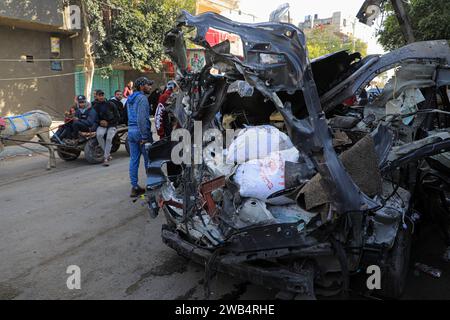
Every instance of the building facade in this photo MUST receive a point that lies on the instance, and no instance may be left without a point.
(340, 23)
(37, 50)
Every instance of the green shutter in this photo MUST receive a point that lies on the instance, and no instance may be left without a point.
(114, 82)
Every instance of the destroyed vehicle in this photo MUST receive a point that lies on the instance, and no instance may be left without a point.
(346, 184)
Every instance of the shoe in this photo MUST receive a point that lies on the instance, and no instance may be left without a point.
(106, 163)
(136, 192)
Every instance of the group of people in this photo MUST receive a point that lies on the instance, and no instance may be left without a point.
(101, 116)
(132, 107)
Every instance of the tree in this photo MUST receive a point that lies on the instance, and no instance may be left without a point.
(429, 20)
(126, 32)
(323, 40)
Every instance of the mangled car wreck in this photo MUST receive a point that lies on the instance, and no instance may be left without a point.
(345, 185)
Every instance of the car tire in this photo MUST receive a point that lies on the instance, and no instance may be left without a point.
(393, 279)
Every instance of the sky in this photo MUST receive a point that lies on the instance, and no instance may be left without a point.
(301, 8)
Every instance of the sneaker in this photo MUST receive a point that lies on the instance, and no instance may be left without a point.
(136, 192)
(106, 163)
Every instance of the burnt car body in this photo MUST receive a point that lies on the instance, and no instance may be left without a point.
(360, 196)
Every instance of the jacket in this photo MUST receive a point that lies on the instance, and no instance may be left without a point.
(138, 111)
(162, 120)
(107, 111)
(122, 111)
(87, 116)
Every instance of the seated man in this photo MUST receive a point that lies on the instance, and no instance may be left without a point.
(109, 118)
(84, 120)
(65, 131)
(117, 101)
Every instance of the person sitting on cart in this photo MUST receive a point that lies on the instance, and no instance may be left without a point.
(117, 101)
(85, 120)
(108, 119)
(65, 130)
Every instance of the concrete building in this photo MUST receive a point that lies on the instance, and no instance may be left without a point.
(217, 6)
(41, 60)
(346, 25)
(32, 33)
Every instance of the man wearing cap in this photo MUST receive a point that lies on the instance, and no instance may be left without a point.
(139, 130)
(84, 120)
(108, 119)
(65, 130)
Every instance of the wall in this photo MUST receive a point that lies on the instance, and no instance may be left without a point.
(49, 12)
(54, 94)
(159, 78)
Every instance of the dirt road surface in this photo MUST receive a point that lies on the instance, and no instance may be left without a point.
(81, 214)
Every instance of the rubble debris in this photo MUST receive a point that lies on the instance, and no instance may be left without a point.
(433, 272)
(446, 255)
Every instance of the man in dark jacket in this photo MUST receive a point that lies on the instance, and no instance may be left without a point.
(117, 101)
(108, 119)
(139, 130)
(85, 120)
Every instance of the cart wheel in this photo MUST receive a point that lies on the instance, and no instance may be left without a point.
(68, 154)
(115, 144)
(127, 146)
(93, 152)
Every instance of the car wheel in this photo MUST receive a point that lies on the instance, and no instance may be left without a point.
(394, 276)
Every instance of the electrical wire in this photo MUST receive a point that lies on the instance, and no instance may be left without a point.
(40, 60)
(55, 75)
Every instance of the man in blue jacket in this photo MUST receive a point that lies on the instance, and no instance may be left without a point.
(85, 120)
(139, 130)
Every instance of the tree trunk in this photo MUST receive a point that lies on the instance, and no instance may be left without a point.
(89, 64)
(403, 20)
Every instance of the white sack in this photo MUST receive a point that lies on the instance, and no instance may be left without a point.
(257, 143)
(261, 178)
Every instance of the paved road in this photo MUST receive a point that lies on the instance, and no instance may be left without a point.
(80, 214)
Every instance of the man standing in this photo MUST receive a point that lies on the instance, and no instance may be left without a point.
(163, 123)
(109, 118)
(139, 130)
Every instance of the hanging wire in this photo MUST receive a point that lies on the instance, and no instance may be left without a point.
(40, 60)
(55, 75)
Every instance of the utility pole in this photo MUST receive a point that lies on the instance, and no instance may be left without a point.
(403, 20)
